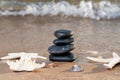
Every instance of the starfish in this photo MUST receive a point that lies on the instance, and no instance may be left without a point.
(21, 55)
(24, 65)
(108, 63)
(25, 62)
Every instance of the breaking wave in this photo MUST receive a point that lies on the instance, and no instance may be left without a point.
(86, 9)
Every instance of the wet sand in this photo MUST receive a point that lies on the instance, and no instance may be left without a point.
(35, 34)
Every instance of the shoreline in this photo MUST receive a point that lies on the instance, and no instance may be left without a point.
(35, 34)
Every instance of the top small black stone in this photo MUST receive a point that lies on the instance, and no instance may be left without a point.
(61, 34)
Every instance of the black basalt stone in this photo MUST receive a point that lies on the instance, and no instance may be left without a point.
(60, 49)
(63, 41)
(65, 58)
(62, 33)
(65, 54)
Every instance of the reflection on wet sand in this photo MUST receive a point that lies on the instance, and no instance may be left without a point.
(36, 34)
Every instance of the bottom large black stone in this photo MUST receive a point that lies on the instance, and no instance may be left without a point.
(62, 58)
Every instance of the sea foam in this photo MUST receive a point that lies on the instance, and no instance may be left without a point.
(86, 9)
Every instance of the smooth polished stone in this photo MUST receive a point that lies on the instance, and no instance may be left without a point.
(54, 49)
(62, 33)
(63, 41)
(65, 58)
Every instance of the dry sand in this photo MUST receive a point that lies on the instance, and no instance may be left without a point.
(35, 34)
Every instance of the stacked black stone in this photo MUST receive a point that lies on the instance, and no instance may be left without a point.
(60, 51)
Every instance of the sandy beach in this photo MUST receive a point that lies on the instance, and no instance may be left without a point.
(35, 34)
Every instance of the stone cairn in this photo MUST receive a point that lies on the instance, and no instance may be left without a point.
(60, 51)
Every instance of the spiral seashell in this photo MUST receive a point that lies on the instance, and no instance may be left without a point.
(76, 68)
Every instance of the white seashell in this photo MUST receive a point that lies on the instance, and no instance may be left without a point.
(76, 68)
(93, 53)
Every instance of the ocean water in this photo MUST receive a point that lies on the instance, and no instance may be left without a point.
(94, 9)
